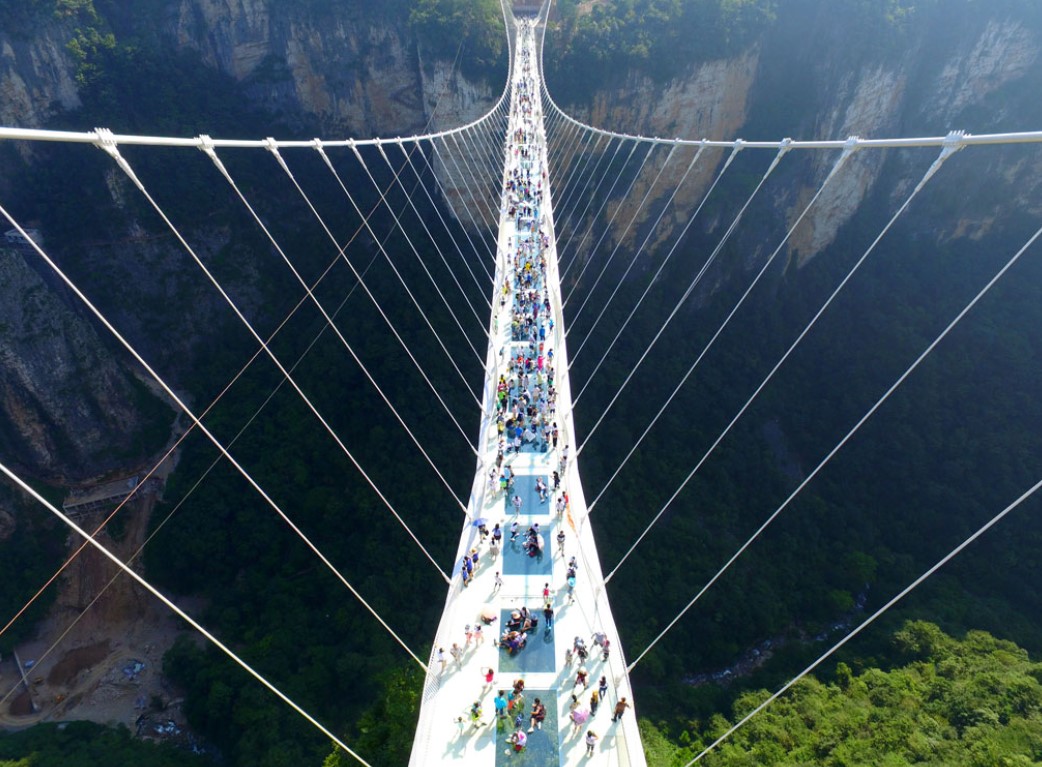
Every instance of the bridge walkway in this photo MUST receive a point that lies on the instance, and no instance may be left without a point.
(524, 404)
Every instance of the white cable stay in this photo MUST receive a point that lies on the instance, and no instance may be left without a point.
(930, 172)
(651, 231)
(569, 220)
(170, 514)
(607, 227)
(763, 270)
(320, 148)
(570, 224)
(191, 427)
(448, 230)
(870, 619)
(466, 231)
(125, 166)
(441, 253)
(485, 206)
(480, 228)
(574, 186)
(690, 289)
(468, 209)
(202, 427)
(854, 429)
(179, 612)
(390, 262)
(570, 183)
(479, 194)
(212, 154)
(611, 256)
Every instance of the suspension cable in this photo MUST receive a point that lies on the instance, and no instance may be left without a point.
(202, 427)
(945, 153)
(481, 227)
(607, 227)
(212, 154)
(763, 270)
(687, 293)
(572, 220)
(571, 223)
(412, 247)
(868, 414)
(651, 230)
(466, 230)
(441, 254)
(181, 613)
(191, 427)
(482, 289)
(600, 209)
(319, 146)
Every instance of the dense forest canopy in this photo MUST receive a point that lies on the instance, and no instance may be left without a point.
(946, 701)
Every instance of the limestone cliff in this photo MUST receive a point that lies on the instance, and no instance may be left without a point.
(814, 76)
(37, 76)
(356, 76)
(72, 410)
(307, 66)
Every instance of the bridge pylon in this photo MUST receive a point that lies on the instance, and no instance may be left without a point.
(526, 493)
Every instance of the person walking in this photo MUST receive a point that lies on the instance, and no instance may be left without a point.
(498, 582)
(620, 709)
(442, 660)
(548, 615)
(591, 741)
(560, 541)
(595, 701)
(457, 654)
(479, 636)
(602, 687)
(517, 503)
(582, 678)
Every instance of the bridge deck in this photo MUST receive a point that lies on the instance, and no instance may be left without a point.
(446, 732)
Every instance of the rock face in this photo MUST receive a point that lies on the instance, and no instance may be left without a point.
(807, 76)
(37, 76)
(71, 409)
(357, 77)
(812, 77)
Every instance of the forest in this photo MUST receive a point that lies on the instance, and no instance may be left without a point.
(959, 443)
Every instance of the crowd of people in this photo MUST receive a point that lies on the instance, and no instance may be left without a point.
(525, 413)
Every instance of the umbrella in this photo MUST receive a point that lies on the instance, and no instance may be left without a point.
(488, 613)
(580, 715)
(479, 522)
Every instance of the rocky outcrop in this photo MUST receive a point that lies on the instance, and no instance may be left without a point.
(71, 410)
(354, 75)
(37, 76)
(841, 85)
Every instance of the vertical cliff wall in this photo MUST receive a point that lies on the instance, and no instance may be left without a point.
(817, 71)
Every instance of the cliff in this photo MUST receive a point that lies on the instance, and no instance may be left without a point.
(816, 74)
(70, 410)
(305, 68)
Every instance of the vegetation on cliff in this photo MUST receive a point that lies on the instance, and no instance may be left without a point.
(957, 703)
